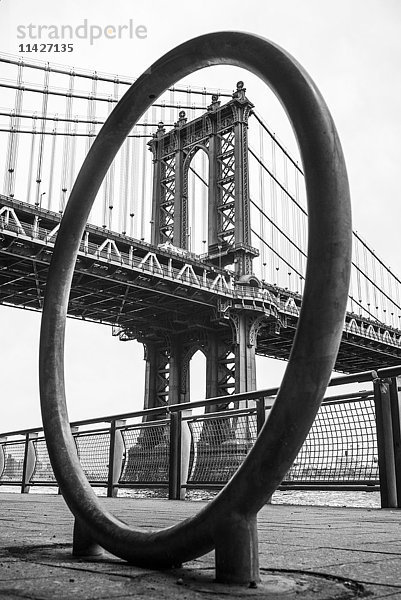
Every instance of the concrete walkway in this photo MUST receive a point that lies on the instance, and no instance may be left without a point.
(305, 552)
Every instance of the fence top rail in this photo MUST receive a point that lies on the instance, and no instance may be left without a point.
(384, 373)
(224, 414)
(353, 397)
(364, 376)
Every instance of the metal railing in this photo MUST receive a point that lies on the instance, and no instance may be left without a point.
(353, 444)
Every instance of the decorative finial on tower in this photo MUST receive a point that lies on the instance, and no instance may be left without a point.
(181, 120)
(239, 94)
(160, 129)
(159, 133)
(215, 103)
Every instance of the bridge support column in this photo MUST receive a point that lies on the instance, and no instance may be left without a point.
(220, 368)
(231, 364)
(179, 373)
(167, 370)
(157, 374)
(245, 364)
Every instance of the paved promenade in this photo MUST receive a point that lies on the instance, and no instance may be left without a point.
(305, 552)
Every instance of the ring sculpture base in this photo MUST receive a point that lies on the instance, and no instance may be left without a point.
(228, 523)
(236, 551)
(83, 545)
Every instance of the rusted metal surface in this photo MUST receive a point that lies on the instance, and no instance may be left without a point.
(319, 328)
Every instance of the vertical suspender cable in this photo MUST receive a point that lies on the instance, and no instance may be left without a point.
(156, 117)
(134, 186)
(9, 165)
(351, 295)
(123, 199)
(91, 131)
(365, 260)
(262, 202)
(358, 273)
(45, 100)
(299, 222)
(392, 281)
(192, 211)
(191, 199)
(390, 293)
(67, 143)
(144, 176)
(71, 165)
(273, 194)
(286, 221)
(204, 187)
(107, 179)
(13, 139)
(91, 113)
(112, 168)
(15, 145)
(296, 224)
(31, 158)
(384, 301)
(52, 161)
(374, 279)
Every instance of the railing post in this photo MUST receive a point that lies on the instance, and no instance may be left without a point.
(29, 462)
(185, 451)
(263, 406)
(261, 418)
(388, 441)
(174, 475)
(2, 457)
(116, 454)
(395, 402)
(260, 414)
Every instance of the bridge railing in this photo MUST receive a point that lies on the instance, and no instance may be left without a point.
(353, 444)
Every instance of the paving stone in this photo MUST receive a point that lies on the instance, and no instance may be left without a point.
(349, 544)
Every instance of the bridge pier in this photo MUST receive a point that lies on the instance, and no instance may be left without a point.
(230, 361)
(157, 370)
(245, 366)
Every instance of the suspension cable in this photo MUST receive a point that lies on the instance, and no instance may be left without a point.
(278, 228)
(276, 141)
(273, 176)
(277, 254)
(108, 78)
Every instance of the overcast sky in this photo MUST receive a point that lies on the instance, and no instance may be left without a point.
(352, 49)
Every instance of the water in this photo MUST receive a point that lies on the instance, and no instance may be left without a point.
(344, 499)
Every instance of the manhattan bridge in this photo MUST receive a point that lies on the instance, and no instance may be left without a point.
(197, 240)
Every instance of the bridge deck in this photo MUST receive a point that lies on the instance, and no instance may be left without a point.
(363, 545)
(146, 292)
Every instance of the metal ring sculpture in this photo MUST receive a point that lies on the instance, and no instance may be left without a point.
(228, 523)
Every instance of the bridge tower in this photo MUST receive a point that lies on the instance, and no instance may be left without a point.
(222, 133)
